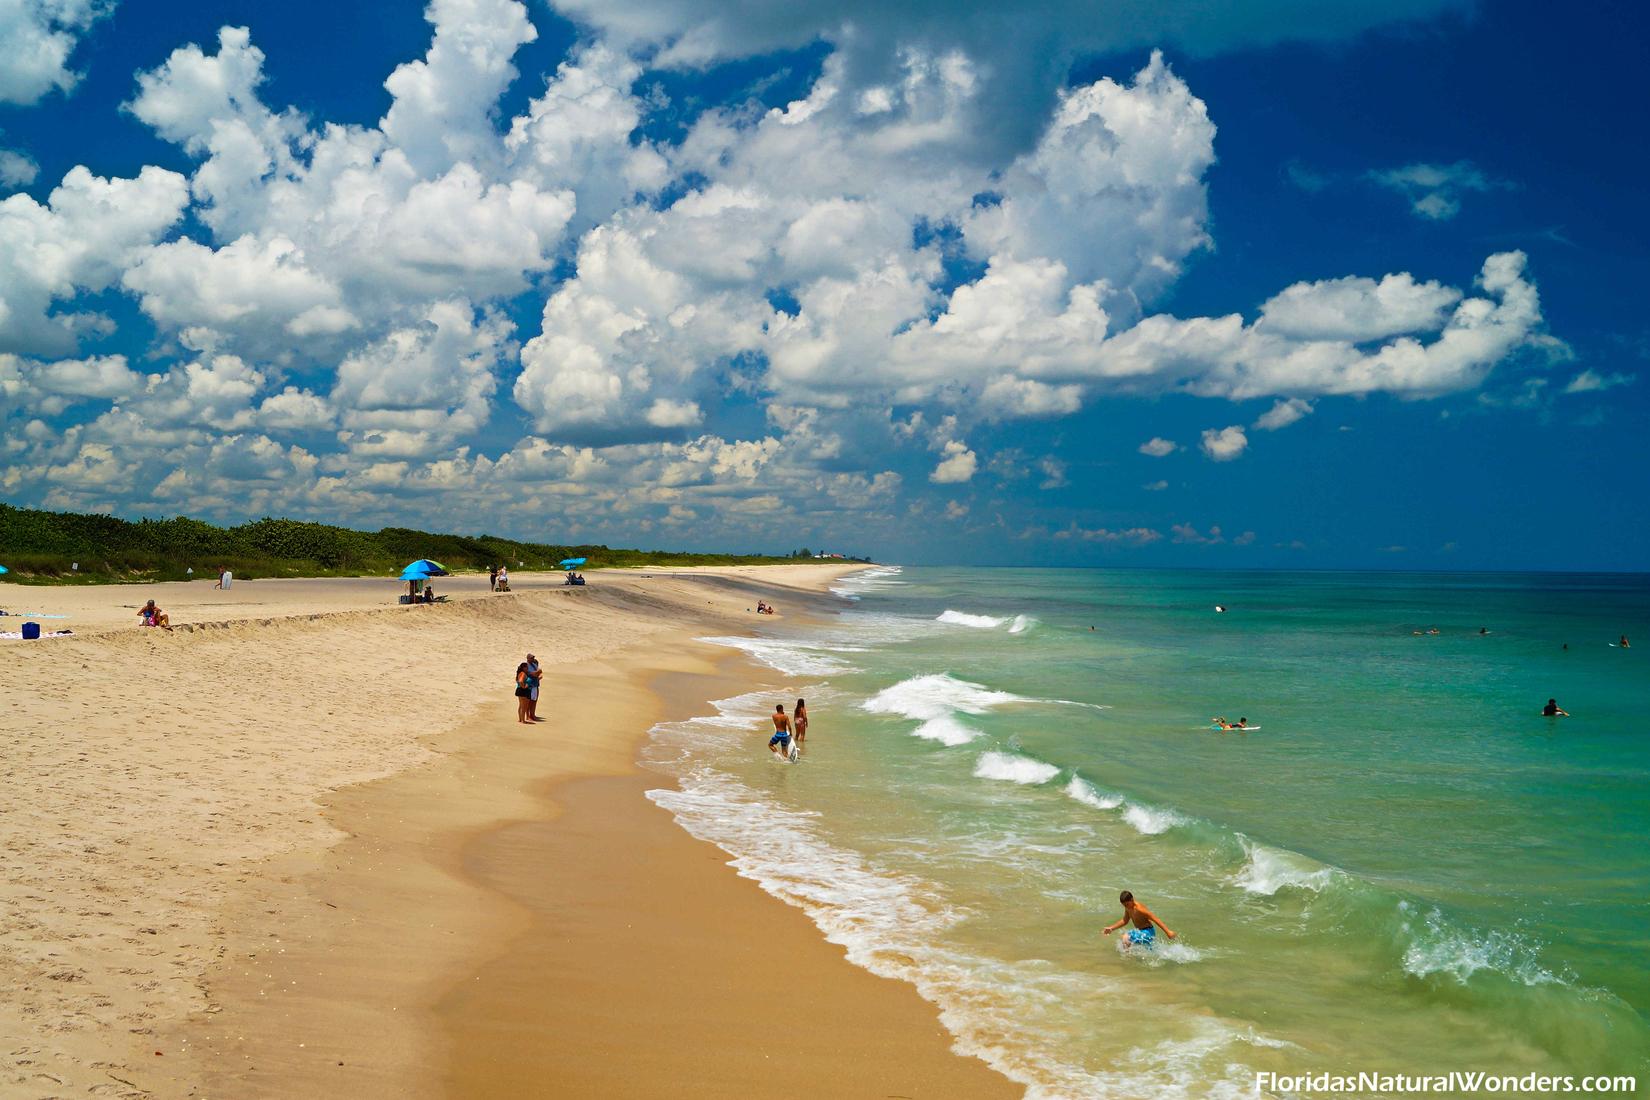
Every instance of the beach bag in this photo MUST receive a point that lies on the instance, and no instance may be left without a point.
(31, 630)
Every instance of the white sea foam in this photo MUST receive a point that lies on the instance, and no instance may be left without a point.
(855, 585)
(947, 730)
(963, 618)
(1437, 947)
(1090, 795)
(1269, 870)
(1013, 768)
(1151, 821)
(895, 926)
(1021, 624)
(793, 658)
(934, 702)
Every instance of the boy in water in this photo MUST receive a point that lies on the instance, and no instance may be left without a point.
(1146, 924)
(780, 743)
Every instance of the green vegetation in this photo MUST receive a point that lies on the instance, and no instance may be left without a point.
(42, 547)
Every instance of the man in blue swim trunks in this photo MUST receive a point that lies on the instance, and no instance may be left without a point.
(780, 743)
(1146, 924)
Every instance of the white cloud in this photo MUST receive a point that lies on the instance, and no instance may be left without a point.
(1434, 190)
(1590, 381)
(1189, 534)
(1054, 473)
(1131, 536)
(17, 169)
(1224, 444)
(1158, 447)
(1358, 310)
(440, 113)
(38, 37)
(957, 466)
(1283, 413)
(85, 234)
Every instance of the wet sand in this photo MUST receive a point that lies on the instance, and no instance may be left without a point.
(298, 856)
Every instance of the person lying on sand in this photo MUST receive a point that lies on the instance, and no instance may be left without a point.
(150, 615)
(1146, 924)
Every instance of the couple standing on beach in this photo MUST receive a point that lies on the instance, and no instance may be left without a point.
(528, 675)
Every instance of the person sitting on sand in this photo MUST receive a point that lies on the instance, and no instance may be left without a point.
(780, 743)
(1146, 924)
(150, 615)
(1553, 710)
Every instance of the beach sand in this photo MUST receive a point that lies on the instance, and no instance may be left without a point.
(310, 852)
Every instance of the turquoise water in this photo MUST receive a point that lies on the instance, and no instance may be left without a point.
(1405, 869)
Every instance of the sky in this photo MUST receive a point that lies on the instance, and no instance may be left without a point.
(1259, 284)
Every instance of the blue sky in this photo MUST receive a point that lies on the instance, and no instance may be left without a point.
(1259, 284)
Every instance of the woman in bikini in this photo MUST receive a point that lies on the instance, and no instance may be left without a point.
(799, 722)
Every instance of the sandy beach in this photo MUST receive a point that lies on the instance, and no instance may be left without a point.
(303, 848)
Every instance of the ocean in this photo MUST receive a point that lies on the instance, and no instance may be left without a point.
(1404, 869)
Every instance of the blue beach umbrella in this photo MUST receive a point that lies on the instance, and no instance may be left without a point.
(422, 569)
(3, 569)
(568, 563)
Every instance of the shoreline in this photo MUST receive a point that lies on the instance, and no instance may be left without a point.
(373, 903)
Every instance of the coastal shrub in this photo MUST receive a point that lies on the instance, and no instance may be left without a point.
(41, 547)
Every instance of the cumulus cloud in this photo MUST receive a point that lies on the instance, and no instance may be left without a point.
(1224, 444)
(759, 314)
(1189, 534)
(1132, 536)
(1283, 413)
(87, 232)
(956, 466)
(1434, 190)
(39, 36)
(17, 169)
(1158, 447)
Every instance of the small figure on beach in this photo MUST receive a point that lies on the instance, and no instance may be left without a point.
(536, 677)
(429, 594)
(1553, 710)
(763, 607)
(524, 692)
(780, 743)
(220, 577)
(150, 615)
(1146, 924)
(799, 720)
(492, 578)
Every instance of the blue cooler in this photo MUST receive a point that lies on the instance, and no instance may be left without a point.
(31, 630)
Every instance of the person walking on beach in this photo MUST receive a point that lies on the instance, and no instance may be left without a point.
(537, 674)
(220, 578)
(780, 743)
(799, 721)
(1146, 924)
(492, 578)
(524, 692)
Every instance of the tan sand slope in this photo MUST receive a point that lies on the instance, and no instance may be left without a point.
(165, 803)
